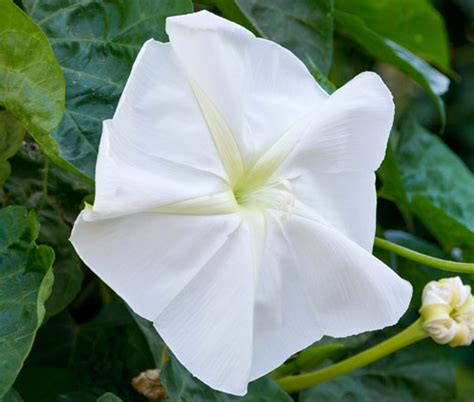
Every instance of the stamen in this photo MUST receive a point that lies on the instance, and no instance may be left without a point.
(277, 196)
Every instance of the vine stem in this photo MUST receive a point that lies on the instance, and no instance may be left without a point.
(445, 265)
(408, 336)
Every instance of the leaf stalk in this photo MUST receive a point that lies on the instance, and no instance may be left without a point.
(445, 265)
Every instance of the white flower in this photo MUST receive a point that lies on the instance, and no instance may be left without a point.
(235, 202)
(448, 312)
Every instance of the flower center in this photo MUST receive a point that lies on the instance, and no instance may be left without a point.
(277, 196)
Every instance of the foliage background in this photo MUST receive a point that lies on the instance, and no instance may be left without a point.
(63, 64)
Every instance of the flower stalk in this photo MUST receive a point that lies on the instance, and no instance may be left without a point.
(447, 316)
(307, 360)
(410, 335)
(439, 263)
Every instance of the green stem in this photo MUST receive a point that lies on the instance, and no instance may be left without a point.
(308, 359)
(412, 334)
(445, 265)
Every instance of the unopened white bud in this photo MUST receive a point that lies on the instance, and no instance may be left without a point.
(448, 312)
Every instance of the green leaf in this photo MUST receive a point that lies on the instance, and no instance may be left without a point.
(96, 43)
(413, 24)
(419, 373)
(231, 11)
(155, 343)
(54, 384)
(82, 361)
(460, 106)
(465, 385)
(31, 83)
(432, 81)
(56, 197)
(439, 188)
(322, 80)
(32, 86)
(434, 185)
(11, 396)
(11, 136)
(303, 26)
(109, 397)
(418, 275)
(393, 188)
(26, 280)
(181, 386)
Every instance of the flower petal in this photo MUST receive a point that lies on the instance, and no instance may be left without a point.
(159, 114)
(313, 282)
(148, 258)
(351, 291)
(208, 326)
(129, 179)
(346, 200)
(157, 149)
(243, 77)
(284, 321)
(348, 133)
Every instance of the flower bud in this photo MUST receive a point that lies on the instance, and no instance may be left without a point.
(448, 312)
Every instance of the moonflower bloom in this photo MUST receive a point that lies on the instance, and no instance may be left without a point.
(448, 312)
(235, 202)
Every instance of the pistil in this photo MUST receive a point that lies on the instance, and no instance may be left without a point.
(276, 196)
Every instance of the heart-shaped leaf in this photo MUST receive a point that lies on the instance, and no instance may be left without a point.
(26, 280)
(96, 43)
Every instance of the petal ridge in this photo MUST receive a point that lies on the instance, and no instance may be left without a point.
(283, 322)
(139, 257)
(130, 181)
(359, 112)
(377, 289)
(224, 140)
(220, 350)
(242, 76)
